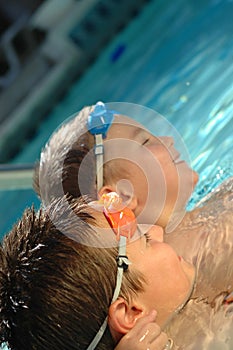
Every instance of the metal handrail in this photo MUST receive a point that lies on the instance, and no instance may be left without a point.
(6, 43)
(16, 176)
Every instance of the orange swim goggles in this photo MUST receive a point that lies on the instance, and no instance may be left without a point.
(120, 217)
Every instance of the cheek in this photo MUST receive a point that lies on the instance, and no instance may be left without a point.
(172, 183)
(162, 261)
(172, 177)
(153, 259)
(138, 179)
(166, 280)
(167, 171)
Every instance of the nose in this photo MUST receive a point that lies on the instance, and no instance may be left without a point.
(156, 233)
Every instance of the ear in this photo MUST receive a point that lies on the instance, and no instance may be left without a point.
(122, 316)
(106, 189)
(124, 192)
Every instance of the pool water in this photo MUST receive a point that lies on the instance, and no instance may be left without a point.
(174, 57)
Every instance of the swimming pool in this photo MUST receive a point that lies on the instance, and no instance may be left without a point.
(175, 58)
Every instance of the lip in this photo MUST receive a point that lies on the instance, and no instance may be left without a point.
(176, 157)
(178, 161)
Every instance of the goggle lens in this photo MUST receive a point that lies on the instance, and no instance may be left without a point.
(120, 217)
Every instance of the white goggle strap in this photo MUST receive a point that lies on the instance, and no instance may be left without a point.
(99, 155)
(122, 265)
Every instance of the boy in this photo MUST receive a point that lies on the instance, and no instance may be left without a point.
(56, 292)
(99, 151)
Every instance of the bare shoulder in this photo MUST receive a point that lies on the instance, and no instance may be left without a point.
(209, 223)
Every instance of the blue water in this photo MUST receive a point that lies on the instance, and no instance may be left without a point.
(175, 57)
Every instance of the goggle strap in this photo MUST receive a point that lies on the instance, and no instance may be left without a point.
(122, 261)
(99, 156)
(120, 270)
(98, 335)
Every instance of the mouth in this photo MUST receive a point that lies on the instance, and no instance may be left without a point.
(176, 157)
(177, 160)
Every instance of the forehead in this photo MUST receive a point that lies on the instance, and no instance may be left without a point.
(125, 127)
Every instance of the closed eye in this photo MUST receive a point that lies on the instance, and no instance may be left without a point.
(145, 142)
(148, 237)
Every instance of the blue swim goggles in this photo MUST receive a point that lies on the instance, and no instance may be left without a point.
(98, 123)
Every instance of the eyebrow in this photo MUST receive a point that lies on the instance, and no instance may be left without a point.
(138, 131)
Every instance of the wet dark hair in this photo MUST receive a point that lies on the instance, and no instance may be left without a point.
(55, 292)
(58, 171)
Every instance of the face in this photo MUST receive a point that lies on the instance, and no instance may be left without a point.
(169, 277)
(153, 173)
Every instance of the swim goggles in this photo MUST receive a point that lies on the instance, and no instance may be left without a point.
(98, 123)
(123, 223)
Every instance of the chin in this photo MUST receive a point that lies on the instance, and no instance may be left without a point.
(195, 178)
(189, 270)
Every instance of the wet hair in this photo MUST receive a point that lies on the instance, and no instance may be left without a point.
(62, 171)
(54, 291)
(57, 172)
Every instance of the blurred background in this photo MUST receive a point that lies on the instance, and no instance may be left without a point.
(58, 55)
